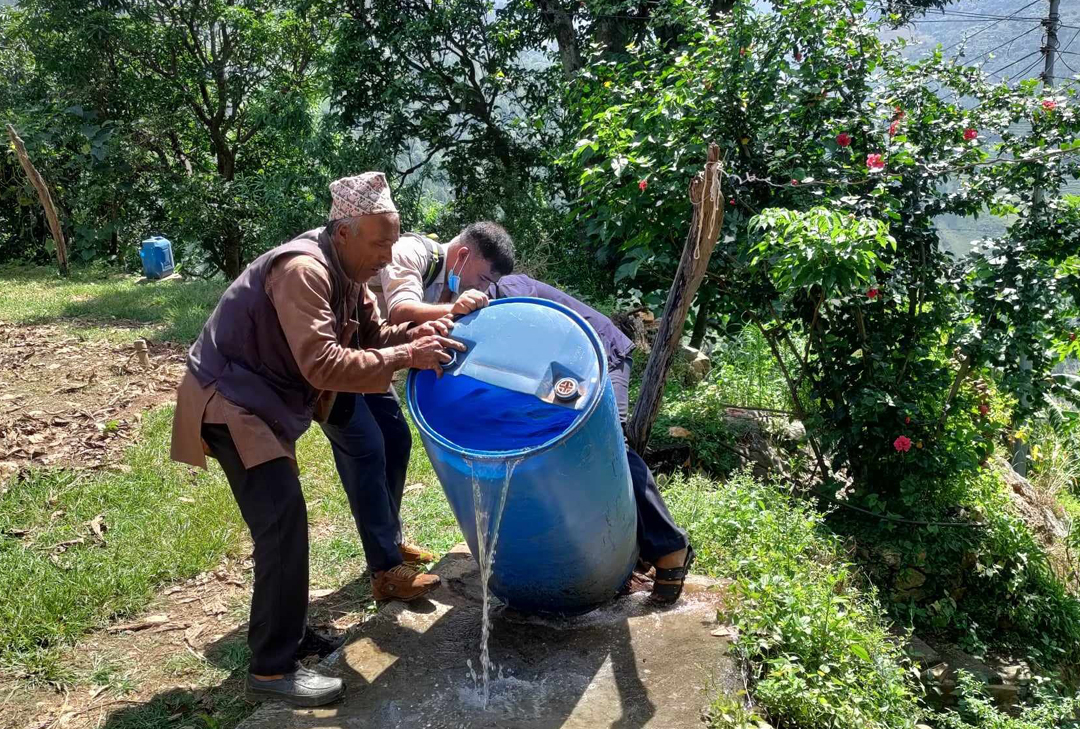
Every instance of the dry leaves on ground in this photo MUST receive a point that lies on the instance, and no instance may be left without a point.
(66, 400)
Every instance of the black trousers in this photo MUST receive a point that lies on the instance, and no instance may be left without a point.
(371, 442)
(657, 532)
(273, 507)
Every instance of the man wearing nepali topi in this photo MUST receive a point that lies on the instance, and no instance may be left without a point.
(281, 341)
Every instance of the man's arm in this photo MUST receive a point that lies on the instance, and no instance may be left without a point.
(419, 312)
(300, 289)
(373, 330)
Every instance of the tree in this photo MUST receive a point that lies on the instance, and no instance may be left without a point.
(827, 130)
(208, 95)
(458, 79)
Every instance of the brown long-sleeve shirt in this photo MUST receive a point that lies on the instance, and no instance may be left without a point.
(299, 287)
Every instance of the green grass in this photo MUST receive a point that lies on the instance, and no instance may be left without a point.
(815, 639)
(93, 301)
(152, 537)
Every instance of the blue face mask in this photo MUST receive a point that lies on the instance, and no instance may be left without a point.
(453, 279)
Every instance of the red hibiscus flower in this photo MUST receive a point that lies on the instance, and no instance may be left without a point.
(984, 409)
(794, 181)
(872, 294)
(894, 127)
(970, 134)
(907, 420)
(1049, 104)
(875, 162)
(843, 139)
(642, 185)
(902, 444)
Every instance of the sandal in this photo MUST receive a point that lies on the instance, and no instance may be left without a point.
(668, 583)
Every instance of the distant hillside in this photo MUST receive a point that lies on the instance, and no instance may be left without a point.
(1005, 38)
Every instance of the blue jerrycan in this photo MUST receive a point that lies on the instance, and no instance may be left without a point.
(157, 257)
(527, 417)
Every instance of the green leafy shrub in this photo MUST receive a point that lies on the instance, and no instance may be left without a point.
(819, 653)
(1050, 710)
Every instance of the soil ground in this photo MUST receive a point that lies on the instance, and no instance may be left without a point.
(73, 401)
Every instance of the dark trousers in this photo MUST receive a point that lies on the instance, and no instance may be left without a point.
(657, 532)
(273, 507)
(371, 442)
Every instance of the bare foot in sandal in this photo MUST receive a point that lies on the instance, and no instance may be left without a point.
(671, 571)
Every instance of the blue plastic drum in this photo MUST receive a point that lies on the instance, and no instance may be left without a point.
(529, 408)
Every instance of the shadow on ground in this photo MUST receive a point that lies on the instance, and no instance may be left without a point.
(174, 310)
(627, 665)
(221, 705)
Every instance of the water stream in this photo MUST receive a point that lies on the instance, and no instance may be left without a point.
(488, 519)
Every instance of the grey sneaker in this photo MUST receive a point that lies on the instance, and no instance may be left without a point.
(302, 687)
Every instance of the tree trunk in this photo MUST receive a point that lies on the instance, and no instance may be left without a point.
(701, 320)
(708, 203)
(230, 252)
(46, 200)
(561, 24)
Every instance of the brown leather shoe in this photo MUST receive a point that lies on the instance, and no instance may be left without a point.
(402, 583)
(413, 555)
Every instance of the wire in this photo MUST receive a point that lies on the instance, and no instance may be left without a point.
(965, 39)
(1068, 66)
(1026, 70)
(897, 519)
(1017, 61)
(971, 14)
(1008, 42)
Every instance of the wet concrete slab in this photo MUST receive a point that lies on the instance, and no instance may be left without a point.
(627, 665)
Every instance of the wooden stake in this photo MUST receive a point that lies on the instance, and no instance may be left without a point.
(708, 202)
(45, 198)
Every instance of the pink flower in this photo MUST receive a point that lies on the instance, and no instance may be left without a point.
(794, 181)
(894, 127)
(970, 134)
(731, 201)
(872, 294)
(843, 139)
(642, 185)
(1049, 104)
(902, 444)
(875, 162)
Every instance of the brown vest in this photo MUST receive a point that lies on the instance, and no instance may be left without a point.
(243, 351)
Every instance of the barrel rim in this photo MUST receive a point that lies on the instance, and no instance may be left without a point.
(586, 413)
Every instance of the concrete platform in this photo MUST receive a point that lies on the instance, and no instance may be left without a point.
(627, 665)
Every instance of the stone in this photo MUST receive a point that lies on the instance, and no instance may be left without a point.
(921, 652)
(909, 578)
(1037, 510)
(698, 364)
(628, 663)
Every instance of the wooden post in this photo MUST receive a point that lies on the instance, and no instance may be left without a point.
(708, 202)
(45, 198)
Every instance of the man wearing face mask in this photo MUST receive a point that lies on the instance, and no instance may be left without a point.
(267, 362)
(424, 282)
